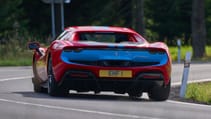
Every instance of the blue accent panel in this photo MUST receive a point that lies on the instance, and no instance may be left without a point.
(120, 46)
(115, 46)
(114, 54)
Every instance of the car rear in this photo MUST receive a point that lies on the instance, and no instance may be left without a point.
(122, 62)
(117, 69)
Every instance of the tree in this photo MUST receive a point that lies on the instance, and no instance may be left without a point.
(38, 15)
(208, 20)
(168, 19)
(139, 16)
(198, 28)
(10, 15)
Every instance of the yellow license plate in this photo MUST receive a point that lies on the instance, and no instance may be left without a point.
(116, 73)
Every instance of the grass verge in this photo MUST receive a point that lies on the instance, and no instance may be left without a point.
(199, 92)
(15, 53)
(174, 52)
(22, 61)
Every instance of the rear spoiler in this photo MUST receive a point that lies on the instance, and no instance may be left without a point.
(150, 49)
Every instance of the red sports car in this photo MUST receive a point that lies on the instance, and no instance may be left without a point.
(101, 58)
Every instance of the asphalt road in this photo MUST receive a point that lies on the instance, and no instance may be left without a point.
(18, 101)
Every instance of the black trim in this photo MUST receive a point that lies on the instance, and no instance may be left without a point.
(92, 83)
(114, 63)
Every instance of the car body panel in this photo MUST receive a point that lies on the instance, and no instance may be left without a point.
(105, 61)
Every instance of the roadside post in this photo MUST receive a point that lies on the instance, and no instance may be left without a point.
(185, 74)
(179, 50)
(53, 18)
(52, 2)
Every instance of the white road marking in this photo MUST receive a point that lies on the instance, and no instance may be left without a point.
(105, 113)
(186, 103)
(78, 110)
(190, 104)
(16, 78)
(192, 81)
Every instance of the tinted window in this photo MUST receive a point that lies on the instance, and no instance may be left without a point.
(104, 37)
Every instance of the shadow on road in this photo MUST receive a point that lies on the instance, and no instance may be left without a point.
(32, 94)
(84, 96)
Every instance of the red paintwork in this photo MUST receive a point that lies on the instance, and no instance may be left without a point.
(60, 67)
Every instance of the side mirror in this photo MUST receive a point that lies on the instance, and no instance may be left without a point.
(35, 46)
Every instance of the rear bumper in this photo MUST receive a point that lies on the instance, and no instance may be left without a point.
(87, 81)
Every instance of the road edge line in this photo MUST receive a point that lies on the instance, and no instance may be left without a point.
(16, 78)
(188, 103)
(192, 81)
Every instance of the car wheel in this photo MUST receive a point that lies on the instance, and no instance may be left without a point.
(53, 88)
(36, 83)
(37, 88)
(160, 93)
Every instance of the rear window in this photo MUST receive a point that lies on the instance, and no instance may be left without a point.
(106, 37)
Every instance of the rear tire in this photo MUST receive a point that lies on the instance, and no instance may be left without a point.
(37, 87)
(53, 89)
(36, 83)
(160, 93)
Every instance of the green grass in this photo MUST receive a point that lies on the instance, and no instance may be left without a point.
(174, 52)
(199, 92)
(22, 60)
(15, 53)
(18, 60)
